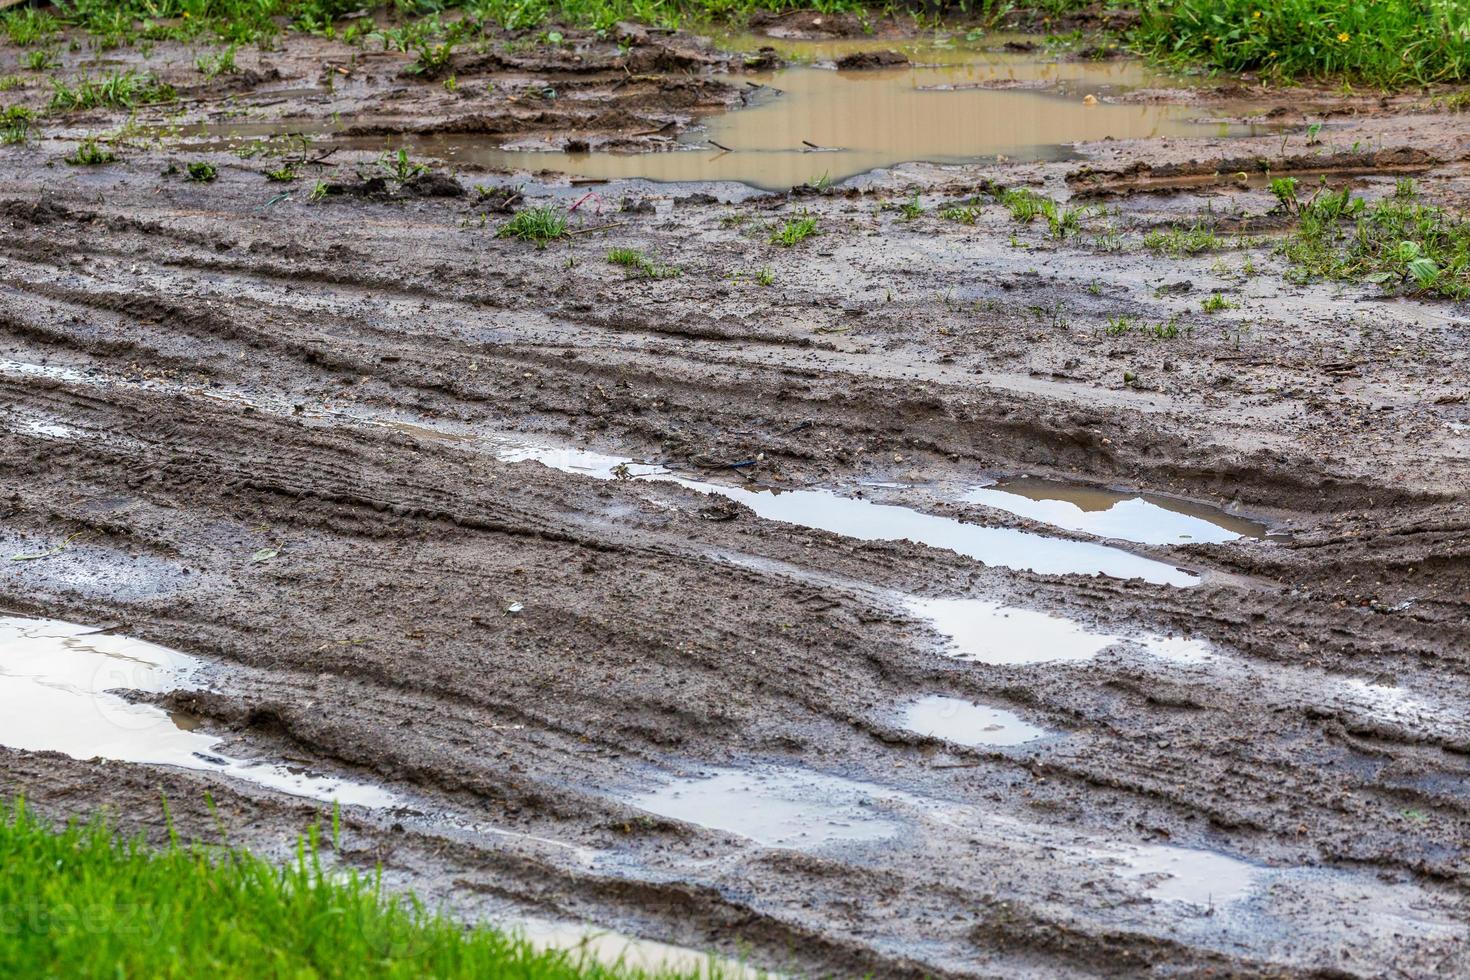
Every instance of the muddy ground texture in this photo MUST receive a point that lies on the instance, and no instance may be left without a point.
(197, 371)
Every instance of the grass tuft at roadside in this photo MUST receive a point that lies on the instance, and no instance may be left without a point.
(83, 902)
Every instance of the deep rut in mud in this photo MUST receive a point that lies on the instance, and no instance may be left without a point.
(859, 622)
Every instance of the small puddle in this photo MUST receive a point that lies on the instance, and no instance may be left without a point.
(1143, 518)
(956, 102)
(1193, 876)
(965, 723)
(777, 808)
(627, 954)
(39, 426)
(990, 633)
(57, 693)
(864, 520)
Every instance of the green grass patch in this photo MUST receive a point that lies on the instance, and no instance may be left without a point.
(402, 167)
(15, 124)
(1177, 241)
(90, 153)
(1397, 242)
(1392, 43)
(1024, 204)
(794, 231)
(80, 901)
(538, 225)
(1382, 42)
(219, 63)
(1121, 326)
(201, 172)
(960, 212)
(639, 264)
(27, 25)
(119, 90)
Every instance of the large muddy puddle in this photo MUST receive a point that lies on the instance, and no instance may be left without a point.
(60, 691)
(955, 102)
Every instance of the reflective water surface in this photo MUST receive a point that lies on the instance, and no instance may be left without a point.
(1144, 518)
(955, 102)
(59, 692)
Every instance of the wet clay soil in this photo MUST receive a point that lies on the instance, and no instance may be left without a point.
(501, 531)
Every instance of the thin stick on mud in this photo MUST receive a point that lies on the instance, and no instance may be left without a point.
(588, 231)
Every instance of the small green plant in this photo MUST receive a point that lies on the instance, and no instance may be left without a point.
(1215, 302)
(405, 36)
(794, 231)
(911, 209)
(15, 124)
(1284, 190)
(120, 90)
(27, 25)
(1063, 222)
(635, 261)
(964, 214)
(1108, 241)
(1404, 189)
(222, 63)
(89, 153)
(284, 174)
(318, 192)
(42, 59)
(201, 172)
(1176, 241)
(1118, 326)
(538, 225)
(400, 166)
(766, 276)
(432, 59)
(1164, 331)
(1024, 204)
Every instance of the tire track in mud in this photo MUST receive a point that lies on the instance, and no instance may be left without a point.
(1014, 433)
(341, 473)
(643, 655)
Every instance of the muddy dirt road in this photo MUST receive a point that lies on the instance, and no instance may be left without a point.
(685, 605)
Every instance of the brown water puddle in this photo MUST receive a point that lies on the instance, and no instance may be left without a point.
(954, 103)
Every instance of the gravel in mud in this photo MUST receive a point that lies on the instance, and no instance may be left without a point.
(271, 433)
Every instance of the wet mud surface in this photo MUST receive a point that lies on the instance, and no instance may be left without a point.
(888, 617)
